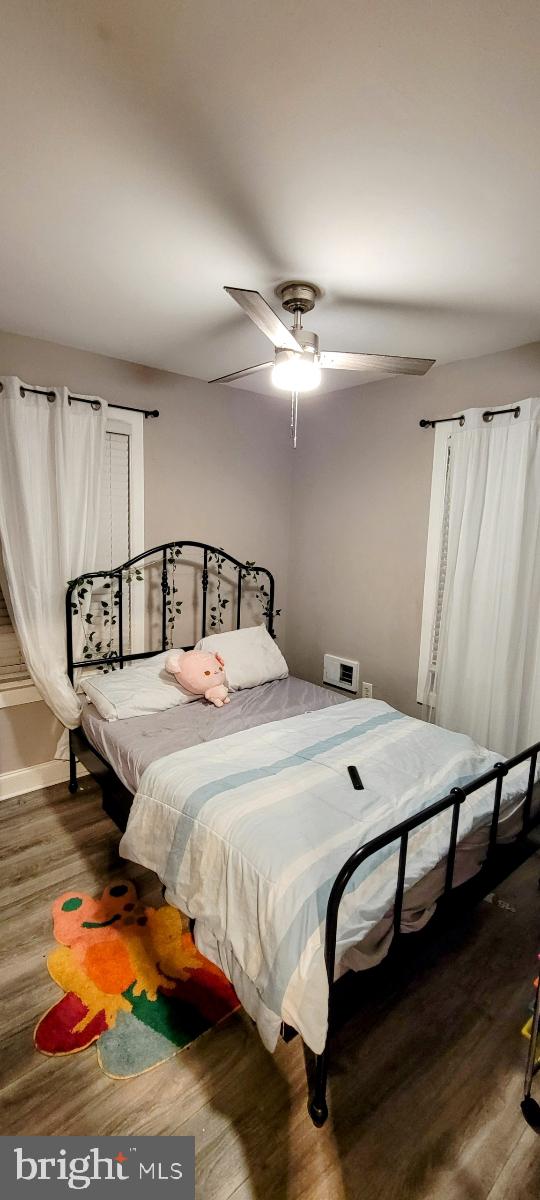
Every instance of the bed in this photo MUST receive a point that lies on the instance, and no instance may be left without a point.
(249, 817)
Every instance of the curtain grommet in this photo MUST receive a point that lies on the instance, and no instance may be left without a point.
(462, 420)
(517, 413)
(96, 405)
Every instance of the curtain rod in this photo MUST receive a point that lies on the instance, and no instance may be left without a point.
(154, 412)
(488, 415)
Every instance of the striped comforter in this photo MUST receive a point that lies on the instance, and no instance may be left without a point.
(249, 832)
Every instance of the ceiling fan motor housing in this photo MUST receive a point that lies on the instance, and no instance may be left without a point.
(309, 341)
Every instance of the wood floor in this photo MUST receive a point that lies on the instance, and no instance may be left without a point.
(426, 1083)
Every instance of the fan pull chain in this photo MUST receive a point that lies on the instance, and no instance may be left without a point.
(294, 417)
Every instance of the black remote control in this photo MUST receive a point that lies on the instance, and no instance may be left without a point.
(355, 779)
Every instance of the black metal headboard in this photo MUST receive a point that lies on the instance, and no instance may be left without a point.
(104, 639)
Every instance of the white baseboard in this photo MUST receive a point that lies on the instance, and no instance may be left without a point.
(28, 779)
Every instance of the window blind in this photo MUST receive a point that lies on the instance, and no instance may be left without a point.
(114, 525)
(13, 668)
(441, 581)
(114, 537)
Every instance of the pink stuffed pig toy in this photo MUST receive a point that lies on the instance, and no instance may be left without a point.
(200, 673)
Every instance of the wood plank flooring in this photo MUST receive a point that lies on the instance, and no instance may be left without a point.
(426, 1082)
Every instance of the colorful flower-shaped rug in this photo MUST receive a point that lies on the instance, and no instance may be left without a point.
(133, 979)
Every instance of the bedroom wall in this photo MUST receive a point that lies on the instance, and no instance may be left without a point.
(361, 495)
(217, 468)
(345, 537)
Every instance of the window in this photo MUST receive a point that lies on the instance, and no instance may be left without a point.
(121, 536)
(114, 540)
(121, 519)
(435, 577)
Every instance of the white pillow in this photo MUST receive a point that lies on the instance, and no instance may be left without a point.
(251, 656)
(141, 687)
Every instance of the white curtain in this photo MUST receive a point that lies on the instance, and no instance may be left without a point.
(51, 460)
(489, 645)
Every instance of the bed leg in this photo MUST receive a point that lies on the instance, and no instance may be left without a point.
(317, 1106)
(73, 784)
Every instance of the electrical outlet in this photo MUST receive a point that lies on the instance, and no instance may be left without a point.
(367, 691)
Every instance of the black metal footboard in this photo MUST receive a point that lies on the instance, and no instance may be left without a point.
(317, 1105)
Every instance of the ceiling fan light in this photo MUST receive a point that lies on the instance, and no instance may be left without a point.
(294, 372)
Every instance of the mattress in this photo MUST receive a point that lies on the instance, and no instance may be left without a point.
(130, 746)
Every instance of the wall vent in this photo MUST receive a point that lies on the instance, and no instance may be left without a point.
(341, 672)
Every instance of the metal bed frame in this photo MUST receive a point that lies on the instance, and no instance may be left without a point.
(117, 799)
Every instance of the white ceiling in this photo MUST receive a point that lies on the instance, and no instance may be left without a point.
(155, 150)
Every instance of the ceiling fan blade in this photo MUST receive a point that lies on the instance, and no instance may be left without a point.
(240, 374)
(256, 308)
(340, 361)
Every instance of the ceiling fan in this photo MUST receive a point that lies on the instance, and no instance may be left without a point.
(298, 362)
